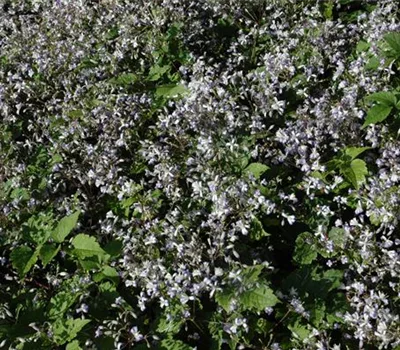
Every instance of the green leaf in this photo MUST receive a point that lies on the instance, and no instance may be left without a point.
(362, 46)
(171, 325)
(168, 91)
(107, 272)
(86, 246)
(258, 298)
(257, 169)
(299, 330)
(384, 97)
(373, 63)
(257, 231)
(48, 252)
(66, 330)
(23, 258)
(171, 344)
(73, 346)
(124, 79)
(65, 226)
(60, 303)
(251, 274)
(225, 298)
(334, 277)
(156, 72)
(304, 252)
(354, 152)
(76, 114)
(359, 169)
(393, 39)
(114, 248)
(377, 114)
(337, 235)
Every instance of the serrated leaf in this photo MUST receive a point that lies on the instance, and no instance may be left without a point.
(304, 252)
(107, 272)
(48, 252)
(73, 346)
(258, 298)
(224, 299)
(66, 330)
(299, 330)
(384, 97)
(156, 72)
(337, 235)
(393, 39)
(168, 91)
(377, 114)
(251, 274)
(257, 231)
(170, 326)
(354, 152)
(86, 246)
(359, 169)
(22, 259)
(60, 303)
(171, 344)
(362, 46)
(124, 79)
(65, 226)
(373, 63)
(257, 169)
(334, 277)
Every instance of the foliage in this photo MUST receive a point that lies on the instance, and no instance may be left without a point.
(211, 174)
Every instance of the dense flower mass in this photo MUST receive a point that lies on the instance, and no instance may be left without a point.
(210, 174)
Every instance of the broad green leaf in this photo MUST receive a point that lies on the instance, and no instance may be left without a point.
(257, 231)
(66, 330)
(359, 168)
(384, 97)
(337, 235)
(76, 114)
(23, 258)
(156, 72)
(48, 252)
(86, 246)
(89, 264)
(362, 46)
(393, 39)
(377, 114)
(257, 169)
(171, 344)
(124, 79)
(65, 226)
(317, 313)
(258, 298)
(354, 152)
(107, 272)
(299, 330)
(373, 63)
(170, 325)
(114, 248)
(334, 277)
(224, 299)
(169, 91)
(304, 252)
(60, 303)
(73, 346)
(251, 274)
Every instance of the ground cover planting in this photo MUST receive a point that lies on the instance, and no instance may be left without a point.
(212, 174)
